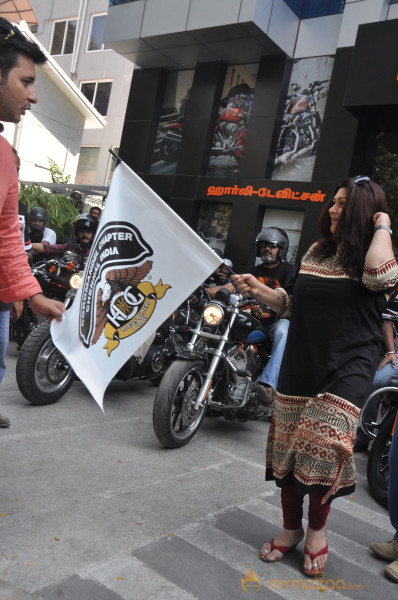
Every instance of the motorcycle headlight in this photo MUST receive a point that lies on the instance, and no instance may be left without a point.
(213, 314)
(75, 281)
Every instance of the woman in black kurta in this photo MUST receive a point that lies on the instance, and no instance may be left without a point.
(329, 362)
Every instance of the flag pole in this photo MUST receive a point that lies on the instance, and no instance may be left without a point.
(250, 292)
(115, 156)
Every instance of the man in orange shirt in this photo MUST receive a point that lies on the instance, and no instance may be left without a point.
(18, 57)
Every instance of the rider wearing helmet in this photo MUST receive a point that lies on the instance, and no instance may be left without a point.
(37, 221)
(272, 245)
(85, 228)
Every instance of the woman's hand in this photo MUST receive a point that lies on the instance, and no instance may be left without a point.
(381, 218)
(380, 249)
(247, 283)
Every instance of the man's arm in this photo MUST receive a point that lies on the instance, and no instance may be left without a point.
(212, 291)
(17, 281)
(46, 307)
(37, 249)
(49, 237)
(389, 346)
(50, 248)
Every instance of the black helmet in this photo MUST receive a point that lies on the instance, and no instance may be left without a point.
(277, 236)
(37, 214)
(85, 222)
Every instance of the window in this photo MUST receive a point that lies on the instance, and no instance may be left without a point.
(63, 37)
(97, 32)
(308, 9)
(98, 93)
(87, 165)
(116, 2)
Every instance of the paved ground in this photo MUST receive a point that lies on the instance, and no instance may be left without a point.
(92, 508)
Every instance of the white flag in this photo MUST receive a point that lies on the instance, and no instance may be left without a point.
(144, 262)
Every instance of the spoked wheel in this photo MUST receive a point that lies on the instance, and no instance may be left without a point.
(157, 366)
(175, 419)
(374, 409)
(378, 468)
(43, 374)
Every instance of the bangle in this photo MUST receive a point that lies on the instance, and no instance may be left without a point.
(391, 352)
(383, 227)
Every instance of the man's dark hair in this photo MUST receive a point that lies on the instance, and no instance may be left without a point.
(12, 43)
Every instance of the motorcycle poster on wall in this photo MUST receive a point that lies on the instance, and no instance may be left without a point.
(171, 123)
(213, 224)
(302, 119)
(233, 118)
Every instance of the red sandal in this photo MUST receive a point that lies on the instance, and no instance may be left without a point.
(313, 556)
(282, 549)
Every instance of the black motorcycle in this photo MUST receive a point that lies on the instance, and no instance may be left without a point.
(56, 277)
(217, 373)
(43, 375)
(378, 423)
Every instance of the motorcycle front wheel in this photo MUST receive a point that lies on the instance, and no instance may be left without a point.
(175, 420)
(43, 374)
(377, 471)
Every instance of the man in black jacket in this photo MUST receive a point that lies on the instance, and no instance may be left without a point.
(272, 245)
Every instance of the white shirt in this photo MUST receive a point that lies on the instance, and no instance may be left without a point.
(49, 236)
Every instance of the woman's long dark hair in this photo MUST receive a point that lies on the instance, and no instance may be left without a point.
(355, 227)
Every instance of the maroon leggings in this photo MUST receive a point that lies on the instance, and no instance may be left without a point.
(292, 508)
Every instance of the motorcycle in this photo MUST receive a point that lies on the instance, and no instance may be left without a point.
(216, 374)
(44, 375)
(171, 139)
(56, 277)
(301, 125)
(230, 133)
(381, 432)
(377, 420)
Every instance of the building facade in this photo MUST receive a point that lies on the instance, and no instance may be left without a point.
(53, 128)
(246, 113)
(73, 34)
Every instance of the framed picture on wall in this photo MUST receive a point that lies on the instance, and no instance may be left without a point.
(213, 224)
(171, 123)
(302, 119)
(234, 113)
